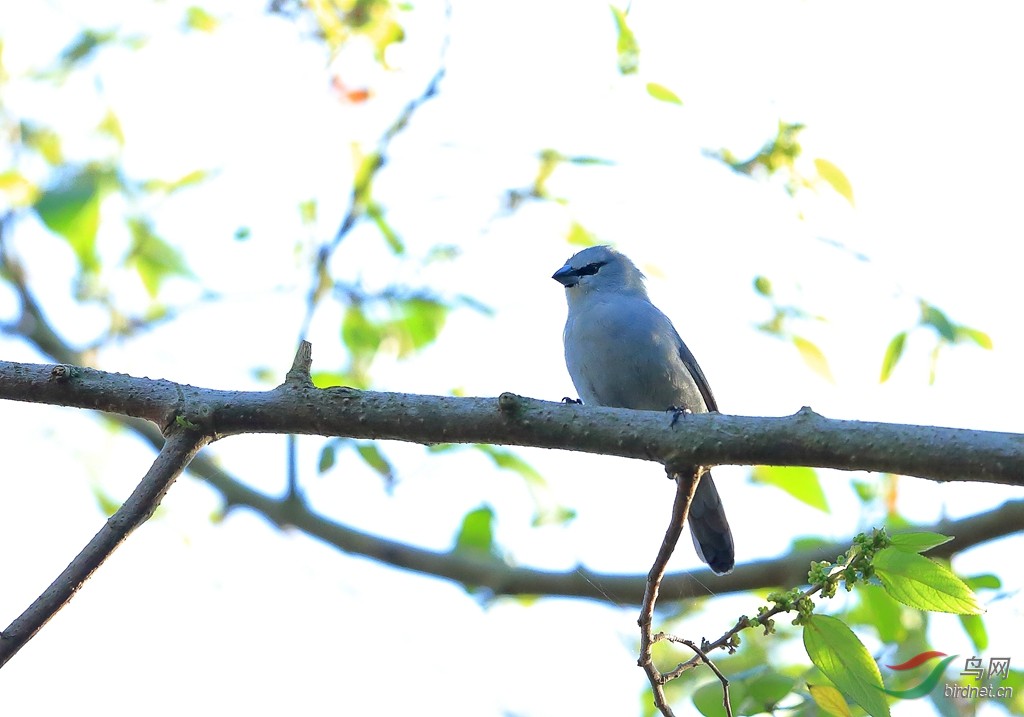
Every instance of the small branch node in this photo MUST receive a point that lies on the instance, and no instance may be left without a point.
(62, 373)
(298, 374)
(508, 402)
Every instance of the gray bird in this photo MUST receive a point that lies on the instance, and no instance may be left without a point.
(621, 351)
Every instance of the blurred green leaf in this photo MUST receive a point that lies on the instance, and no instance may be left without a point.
(708, 697)
(196, 176)
(308, 211)
(830, 700)
(626, 45)
(71, 209)
(110, 126)
(842, 658)
(373, 457)
(767, 689)
(835, 177)
(107, 504)
(580, 236)
(196, 18)
(982, 339)
(154, 259)
(242, 233)
(931, 316)
(813, 357)
(974, 626)
(800, 482)
(327, 379)
(43, 140)
(20, 192)
(985, 581)
(880, 611)
(376, 214)
(419, 324)
(893, 352)
(84, 46)
(660, 92)
(924, 584)
(918, 542)
(763, 286)
(476, 534)
(327, 457)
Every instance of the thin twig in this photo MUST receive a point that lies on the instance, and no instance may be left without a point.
(178, 450)
(686, 484)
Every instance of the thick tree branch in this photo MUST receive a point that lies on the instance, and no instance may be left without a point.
(803, 439)
(499, 578)
(178, 450)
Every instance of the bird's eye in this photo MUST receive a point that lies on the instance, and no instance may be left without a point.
(590, 268)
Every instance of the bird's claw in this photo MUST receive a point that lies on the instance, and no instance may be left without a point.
(569, 401)
(677, 413)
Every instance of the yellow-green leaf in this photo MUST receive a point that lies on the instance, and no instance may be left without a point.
(813, 357)
(800, 482)
(626, 45)
(580, 236)
(979, 337)
(196, 18)
(19, 191)
(842, 658)
(924, 584)
(72, 210)
(920, 542)
(660, 92)
(835, 177)
(830, 700)
(893, 352)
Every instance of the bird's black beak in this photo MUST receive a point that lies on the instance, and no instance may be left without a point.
(566, 276)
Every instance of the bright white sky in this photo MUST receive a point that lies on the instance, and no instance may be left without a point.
(916, 102)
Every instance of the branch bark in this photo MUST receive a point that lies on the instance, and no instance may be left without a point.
(803, 439)
(177, 451)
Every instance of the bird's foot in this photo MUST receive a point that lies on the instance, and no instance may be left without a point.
(677, 413)
(569, 401)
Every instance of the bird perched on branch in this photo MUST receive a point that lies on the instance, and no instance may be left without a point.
(621, 351)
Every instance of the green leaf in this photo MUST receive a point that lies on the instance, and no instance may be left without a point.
(982, 339)
(763, 286)
(154, 259)
(580, 236)
(660, 92)
(110, 126)
(327, 379)
(924, 584)
(327, 458)
(85, 45)
(974, 626)
(196, 18)
(930, 316)
(918, 542)
(882, 612)
(19, 190)
(893, 352)
(769, 688)
(107, 504)
(420, 323)
(830, 700)
(169, 186)
(376, 213)
(508, 460)
(626, 45)
(71, 209)
(813, 357)
(371, 454)
(835, 177)
(708, 697)
(986, 581)
(801, 483)
(842, 658)
(476, 534)
(43, 140)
